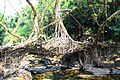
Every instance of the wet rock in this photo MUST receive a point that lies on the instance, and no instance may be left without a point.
(97, 71)
(21, 74)
(115, 71)
(1, 75)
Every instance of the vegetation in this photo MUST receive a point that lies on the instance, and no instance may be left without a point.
(87, 13)
(79, 30)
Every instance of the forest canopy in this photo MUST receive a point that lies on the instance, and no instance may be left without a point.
(87, 13)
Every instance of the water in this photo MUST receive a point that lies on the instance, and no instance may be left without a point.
(72, 75)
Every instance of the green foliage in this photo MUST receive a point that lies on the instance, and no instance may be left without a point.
(25, 26)
(84, 11)
(19, 25)
(1, 29)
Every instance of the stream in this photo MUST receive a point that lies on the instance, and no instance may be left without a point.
(72, 75)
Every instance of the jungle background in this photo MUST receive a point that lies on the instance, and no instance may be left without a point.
(91, 25)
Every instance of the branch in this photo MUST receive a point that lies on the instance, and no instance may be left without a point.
(6, 29)
(15, 30)
(52, 23)
(57, 10)
(102, 27)
(109, 18)
(35, 21)
(105, 10)
(32, 7)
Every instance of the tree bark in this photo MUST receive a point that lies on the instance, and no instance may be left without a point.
(101, 28)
